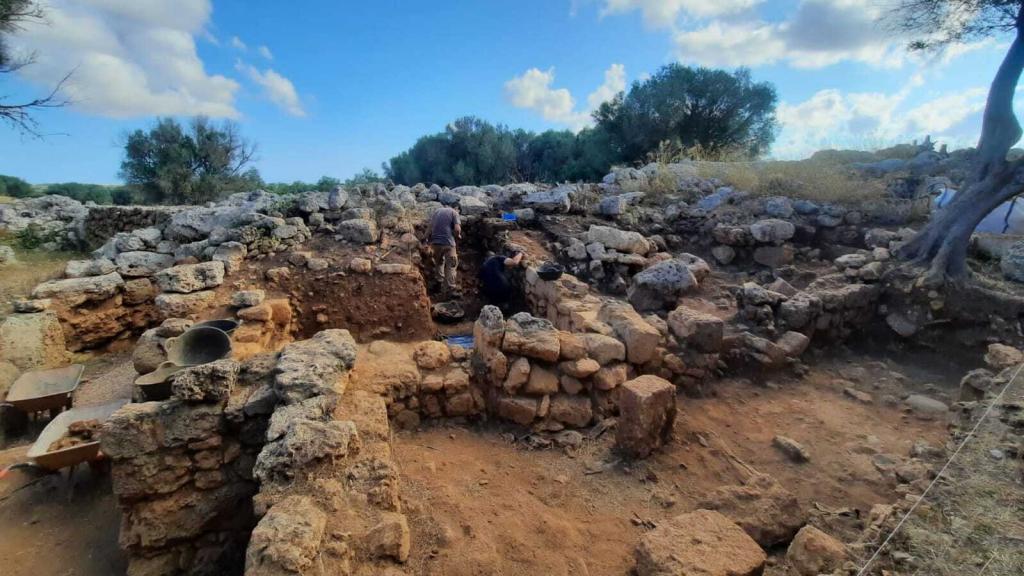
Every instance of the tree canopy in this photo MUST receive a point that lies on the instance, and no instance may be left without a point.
(200, 163)
(15, 187)
(472, 151)
(715, 110)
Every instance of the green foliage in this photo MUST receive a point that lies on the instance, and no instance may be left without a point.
(15, 187)
(469, 151)
(33, 236)
(367, 176)
(169, 164)
(97, 193)
(474, 152)
(685, 111)
(713, 109)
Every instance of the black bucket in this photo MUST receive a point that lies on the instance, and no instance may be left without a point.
(198, 345)
(226, 324)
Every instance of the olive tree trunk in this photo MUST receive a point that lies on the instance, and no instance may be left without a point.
(943, 242)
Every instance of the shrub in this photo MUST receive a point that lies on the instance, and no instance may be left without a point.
(34, 236)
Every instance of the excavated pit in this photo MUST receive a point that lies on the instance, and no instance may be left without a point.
(518, 477)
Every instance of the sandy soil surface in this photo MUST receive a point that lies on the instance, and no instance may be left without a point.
(481, 503)
(50, 525)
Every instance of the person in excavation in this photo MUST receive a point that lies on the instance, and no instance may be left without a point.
(494, 282)
(445, 228)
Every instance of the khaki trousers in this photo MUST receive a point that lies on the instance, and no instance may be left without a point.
(445, 260)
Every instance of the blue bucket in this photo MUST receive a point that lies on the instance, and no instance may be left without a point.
(509, 216)
(462, 340)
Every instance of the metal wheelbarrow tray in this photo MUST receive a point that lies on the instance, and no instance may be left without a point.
(39, 390)
(86, 452)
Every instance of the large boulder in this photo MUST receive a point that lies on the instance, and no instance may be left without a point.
(210, 382)
(554, 200)
(358, 230)
(31, 341)
(641, 339)
(315, 367)
(765, 510)
(661, 285)
(82, 268)
(287, 539)
(699, 329)
(172, 305)
(198, 223)
(702, 542)
(814, 552)
(530, 336)
(140, 263)
(304, 442)
(621, 240)
(188, 278)
(77, 291)
(772, 231)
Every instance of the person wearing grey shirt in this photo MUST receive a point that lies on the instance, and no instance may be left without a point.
(445, 229)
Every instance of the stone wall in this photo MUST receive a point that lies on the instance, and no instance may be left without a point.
(182, 469)
(264, 466)
(102, 222)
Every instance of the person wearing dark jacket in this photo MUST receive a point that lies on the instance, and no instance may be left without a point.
(494, 282)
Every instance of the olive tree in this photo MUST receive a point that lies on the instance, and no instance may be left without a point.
(203, 162)
(942, 243)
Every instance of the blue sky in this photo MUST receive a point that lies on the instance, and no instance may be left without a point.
(335, 86)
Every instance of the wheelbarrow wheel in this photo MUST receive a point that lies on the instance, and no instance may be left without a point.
(12, 421)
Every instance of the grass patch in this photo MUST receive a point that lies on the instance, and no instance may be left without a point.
(818, 180)
(973, 521)
(7, 199)
(33, 266)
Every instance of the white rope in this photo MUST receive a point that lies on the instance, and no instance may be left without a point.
(941, 472)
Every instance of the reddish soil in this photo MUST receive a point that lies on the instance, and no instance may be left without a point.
(482, 505)
(370, 306)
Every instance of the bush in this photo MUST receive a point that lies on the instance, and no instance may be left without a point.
(15, 187)
(34, 236)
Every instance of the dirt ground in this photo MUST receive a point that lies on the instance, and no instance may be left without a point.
(481, 504)
(50, 527)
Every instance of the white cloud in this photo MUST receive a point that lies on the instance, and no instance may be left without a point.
(666, 13)
(946, 111)
(818, 34)
(265, 52)
(533, 90)
(237, 44)
(614, 82)
(276, 88)
(832, 119)
(129, 58)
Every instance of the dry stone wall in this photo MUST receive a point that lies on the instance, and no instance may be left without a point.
(264, 466)
(103, 222)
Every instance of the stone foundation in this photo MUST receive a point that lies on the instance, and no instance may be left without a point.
(259, 467)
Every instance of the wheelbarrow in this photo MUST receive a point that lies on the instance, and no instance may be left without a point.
(55, 460)
(198, 345)
(44, 461)
(39, 390)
